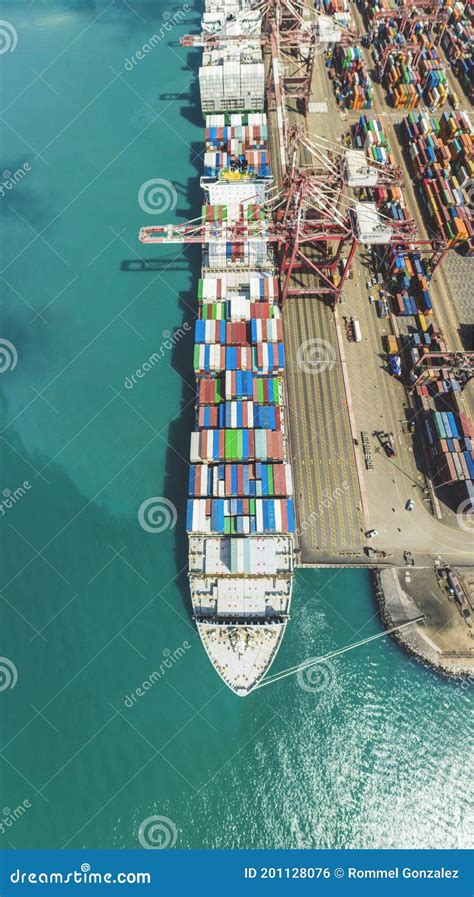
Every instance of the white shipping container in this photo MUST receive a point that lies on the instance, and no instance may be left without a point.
(259, 515)
(194, 450)
(277, 506)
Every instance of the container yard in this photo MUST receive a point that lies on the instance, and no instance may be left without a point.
(350, 78)
(333, 417)
(441, 154)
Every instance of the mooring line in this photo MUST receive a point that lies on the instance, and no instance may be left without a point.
(306, 664)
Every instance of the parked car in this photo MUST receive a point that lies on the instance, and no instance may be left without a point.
(371, 533)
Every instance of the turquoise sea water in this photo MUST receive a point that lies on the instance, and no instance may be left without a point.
(374, 753)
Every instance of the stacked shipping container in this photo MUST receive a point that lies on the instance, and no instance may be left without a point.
(236, 146)
(350, 78)
(457, 43)
(450, 438)
(238, 452)
(441, 153)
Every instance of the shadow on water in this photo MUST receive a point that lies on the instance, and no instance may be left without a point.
(181, 426)
(191, 112)
(182, 258)
(177, 458)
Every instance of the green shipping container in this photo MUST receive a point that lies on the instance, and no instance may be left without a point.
(271, 488)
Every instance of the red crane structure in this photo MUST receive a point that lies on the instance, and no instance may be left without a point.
(312, 223)
(407, 18)
(309, 223)
(291, 39)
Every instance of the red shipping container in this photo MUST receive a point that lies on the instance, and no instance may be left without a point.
(284, 516)
(260, 310)
(279, 442)
(241, 333)
(467, 424)
(251, 444)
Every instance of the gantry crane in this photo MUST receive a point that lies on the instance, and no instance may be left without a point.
(311, 220)
(290, 39)
(407, 18)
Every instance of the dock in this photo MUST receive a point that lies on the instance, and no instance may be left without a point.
(337, 498)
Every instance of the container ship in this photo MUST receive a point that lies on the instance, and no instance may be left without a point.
(240, 511)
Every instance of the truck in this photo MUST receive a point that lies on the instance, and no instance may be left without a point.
(395, 365)
(356, 330)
